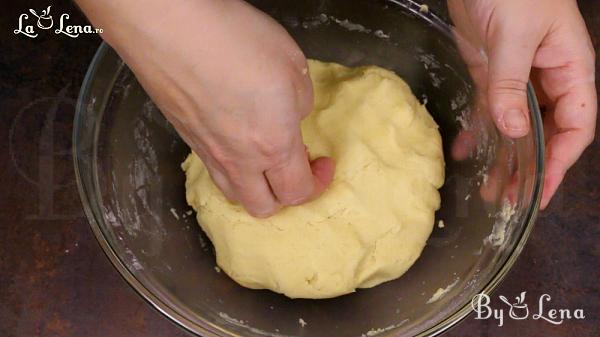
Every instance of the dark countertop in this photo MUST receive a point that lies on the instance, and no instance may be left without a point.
(56, 281)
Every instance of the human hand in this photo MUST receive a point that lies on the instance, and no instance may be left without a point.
(234, 85)
(549, 41)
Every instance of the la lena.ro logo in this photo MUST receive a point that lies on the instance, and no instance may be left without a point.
(519, 310)
(45, 22)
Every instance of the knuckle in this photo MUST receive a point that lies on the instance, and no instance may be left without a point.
(304, 97)
(296, 197)
(283, 78)
(275, 149)
(217, 153)
(224, 160)
(257, 208)
(229, 166)
(259, 214)
(294, 190)
(510, 87)
(237, 184)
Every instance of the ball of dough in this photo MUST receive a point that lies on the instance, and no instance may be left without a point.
(373, 221)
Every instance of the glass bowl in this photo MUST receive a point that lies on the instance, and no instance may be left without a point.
(127, 160)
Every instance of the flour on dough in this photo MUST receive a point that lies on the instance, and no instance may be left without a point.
(374, 220)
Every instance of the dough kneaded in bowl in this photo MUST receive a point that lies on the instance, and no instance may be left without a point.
(371, 224)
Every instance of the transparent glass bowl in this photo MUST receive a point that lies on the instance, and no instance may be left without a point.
(127, 160)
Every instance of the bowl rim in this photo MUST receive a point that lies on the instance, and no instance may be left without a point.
(209, 329)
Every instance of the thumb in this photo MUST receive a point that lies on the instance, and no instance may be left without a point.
(511, 51)
(297, 180)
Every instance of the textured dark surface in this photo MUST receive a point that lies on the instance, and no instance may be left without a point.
(56, 281)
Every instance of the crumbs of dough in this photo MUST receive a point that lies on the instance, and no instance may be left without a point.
(380, 34)
(174, 213)
(503, 219)
(231, 319)
(441, 224)
(424, 9)
(302, 322)
(442, 291)
(374, 332)
(351, 26)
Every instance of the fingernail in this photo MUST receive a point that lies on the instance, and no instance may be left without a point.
(514, 120)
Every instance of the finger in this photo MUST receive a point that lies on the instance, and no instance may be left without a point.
(297, 180)
(512, 189)
(469, 43)
(511, 54)
(220, 179)
(491, 187)
(250, 190)
(572, 125)
(463, 145)
(253, 192)
(215, 170)
(471, 131)
(323, 168)
(575, 131)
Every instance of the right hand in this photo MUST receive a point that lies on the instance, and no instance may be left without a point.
(234, 85)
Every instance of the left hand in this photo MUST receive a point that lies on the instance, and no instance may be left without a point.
(549, 41)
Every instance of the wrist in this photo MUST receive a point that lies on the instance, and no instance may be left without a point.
(124, 22)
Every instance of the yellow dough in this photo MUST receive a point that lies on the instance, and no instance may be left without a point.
(370, 225)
